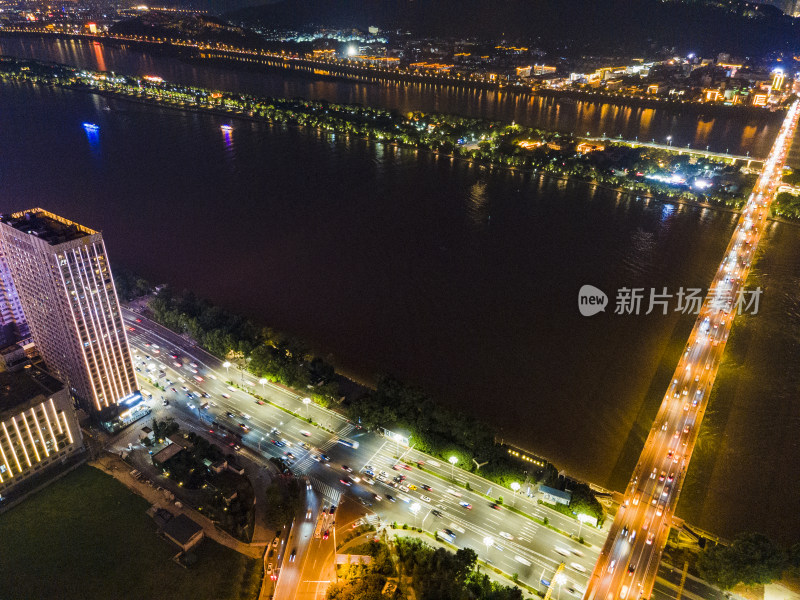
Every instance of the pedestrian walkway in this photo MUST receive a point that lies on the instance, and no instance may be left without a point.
(120, 470)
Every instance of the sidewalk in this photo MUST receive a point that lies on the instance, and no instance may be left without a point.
(120, 470)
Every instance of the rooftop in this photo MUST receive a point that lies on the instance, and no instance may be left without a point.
(181, 529)
(18, 389)
(46, 226)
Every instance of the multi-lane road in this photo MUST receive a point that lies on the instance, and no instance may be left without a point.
(533, 552)
(628, 564)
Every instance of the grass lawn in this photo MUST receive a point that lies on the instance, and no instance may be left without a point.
(87, 537)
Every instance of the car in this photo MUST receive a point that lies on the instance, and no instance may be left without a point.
(667, 490)
(131, 329)
(244, 426)
(260, 402)
(190, 405)
(578, 567)
(376, 497)
(495, 506)
(405, 466)
(346, 468)
(436, 513)
(562, 551)
(662, 476)
(326, 534)
(230, 415)
(633, 536)
(412, 487)
(246, 416)
(506, 535)
(138, 320)
(611, 565)
(305, 433)
(275, 541)
(293, 555)
(289, 455)
(654, 473)
(173, 355)
(315, 457)
(631, 569)
(325, 457)
(346, 481)
(226, 395)
(308, 514)
(174, 390)
(426, 487)
(424, 498)
(184, 388)
(671, 477)
(466, 505)
(193, 364)
(390, 498)
(650, 539)
(165, 402)
(403, 488)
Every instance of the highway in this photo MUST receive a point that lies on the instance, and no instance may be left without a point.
(534, 552)
(629, 561)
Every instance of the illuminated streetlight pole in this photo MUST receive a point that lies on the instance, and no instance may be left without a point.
(560, 580)
(263, 382)
(453, 460)
(669, 140)
(515, 487)
(227, 366)
(489, 542)
(306, 401)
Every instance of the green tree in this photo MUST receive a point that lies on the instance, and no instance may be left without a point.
(752, 559)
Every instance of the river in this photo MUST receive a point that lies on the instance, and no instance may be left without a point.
(460, 279)
(734, 134)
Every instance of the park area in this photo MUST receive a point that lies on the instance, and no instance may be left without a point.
(88, 537)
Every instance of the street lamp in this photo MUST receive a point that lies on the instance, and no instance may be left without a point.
(489, 542)
(227, 366)
(453, 460)
(669, 140)
(560, 579)
(306, 401)
(414, 508)
(263, 382)
(515, 487)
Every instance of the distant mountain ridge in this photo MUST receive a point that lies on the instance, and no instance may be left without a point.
(203, 28)
(589, 25)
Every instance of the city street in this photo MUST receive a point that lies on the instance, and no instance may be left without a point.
(629, 562)
(533, 551)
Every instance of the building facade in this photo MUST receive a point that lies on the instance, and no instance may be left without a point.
(38, 428)
(13, 324)
(63, 280)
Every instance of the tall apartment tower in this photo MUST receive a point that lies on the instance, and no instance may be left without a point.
(63, 280)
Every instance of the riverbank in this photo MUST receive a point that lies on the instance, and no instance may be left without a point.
(254, 59)
(482, 142)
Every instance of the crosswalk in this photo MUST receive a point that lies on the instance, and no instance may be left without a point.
(328, 491)
(304, 464)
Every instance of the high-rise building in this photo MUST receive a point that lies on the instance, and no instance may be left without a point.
(63, 280)
(13, 325)
(38, 428)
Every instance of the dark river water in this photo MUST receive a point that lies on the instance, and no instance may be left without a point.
(459, 279)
